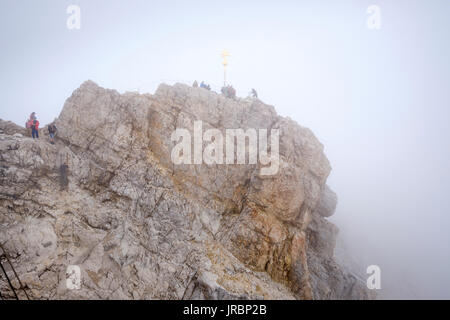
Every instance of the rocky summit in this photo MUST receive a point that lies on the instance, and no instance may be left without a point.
(108, 198)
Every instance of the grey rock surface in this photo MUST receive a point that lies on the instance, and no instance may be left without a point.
(108, 198)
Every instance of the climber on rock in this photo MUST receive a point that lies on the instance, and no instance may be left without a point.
(28, 127)
(254, 94)
(224, 91)
(232, 92)
(34, 124)
(52, 132)
(29, 123)
(205, 86)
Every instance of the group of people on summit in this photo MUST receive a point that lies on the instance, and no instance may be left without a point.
(202, 85)
(32, 125)
(227, 90)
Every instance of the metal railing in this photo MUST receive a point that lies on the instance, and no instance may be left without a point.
(4, 256)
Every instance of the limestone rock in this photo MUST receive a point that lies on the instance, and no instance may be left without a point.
(10, 128)
(327, 203)
(108, 198)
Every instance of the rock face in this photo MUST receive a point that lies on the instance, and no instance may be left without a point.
(108, 197)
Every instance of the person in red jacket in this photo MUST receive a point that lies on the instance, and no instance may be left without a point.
(34, 127)
(29, 123)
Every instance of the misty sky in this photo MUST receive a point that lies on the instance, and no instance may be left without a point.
(379, 100)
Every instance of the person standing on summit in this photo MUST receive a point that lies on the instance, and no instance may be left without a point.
(34, 127)
(30, 122)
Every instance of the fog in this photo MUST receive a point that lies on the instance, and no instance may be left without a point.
(378, 99)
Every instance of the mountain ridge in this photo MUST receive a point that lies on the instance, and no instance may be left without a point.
(141, 227)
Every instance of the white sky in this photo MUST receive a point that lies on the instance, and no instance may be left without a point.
(378, 100)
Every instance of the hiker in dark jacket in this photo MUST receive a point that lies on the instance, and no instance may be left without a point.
(52, 132)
